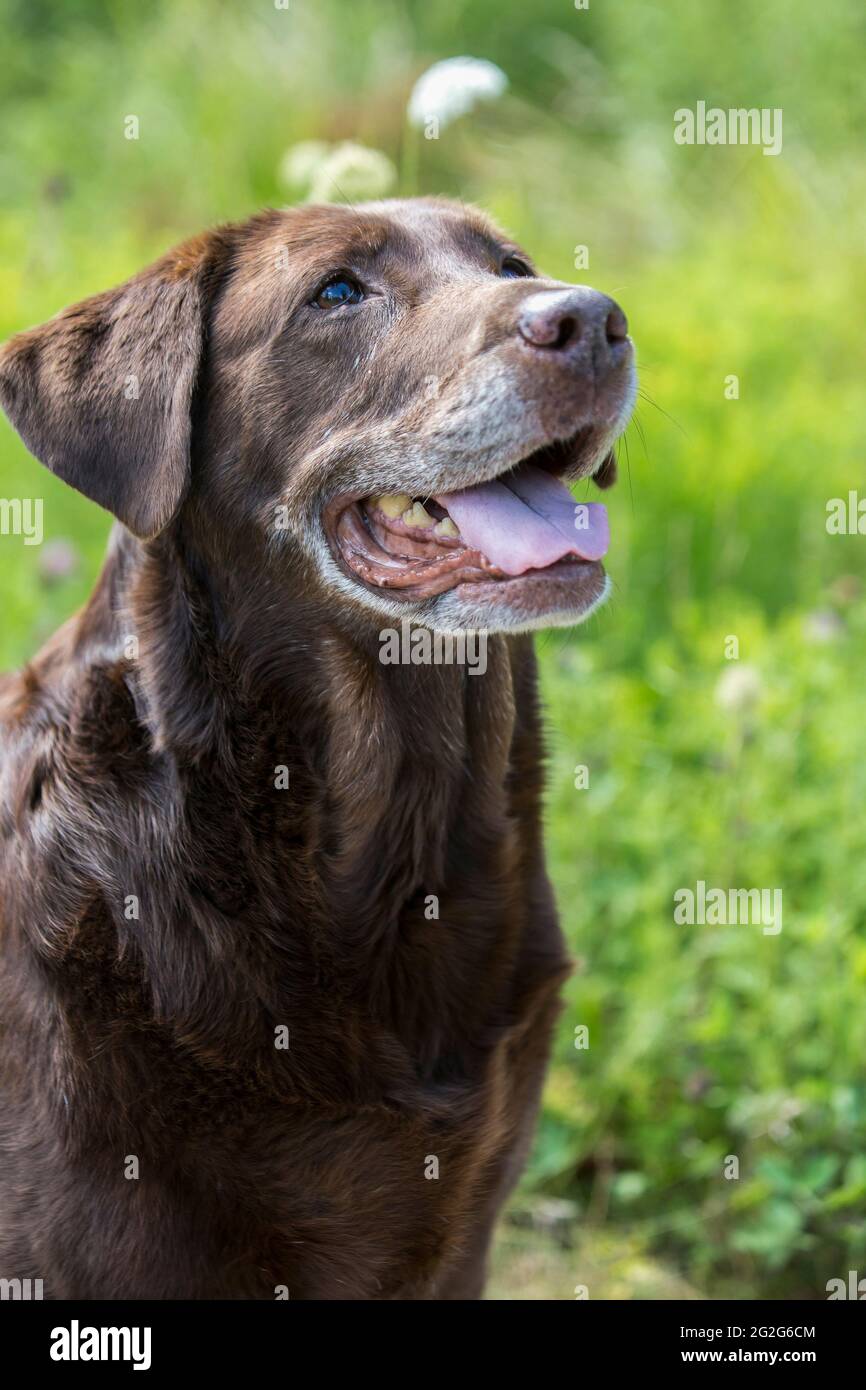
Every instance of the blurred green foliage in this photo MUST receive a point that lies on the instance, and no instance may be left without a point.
(704, 1042)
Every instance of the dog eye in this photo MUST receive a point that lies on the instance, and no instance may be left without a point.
(341, 289)
(515, 269)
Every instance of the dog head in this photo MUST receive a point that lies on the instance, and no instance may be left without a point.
(388, 399)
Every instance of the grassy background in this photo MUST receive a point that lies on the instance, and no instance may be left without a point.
(704, 1042)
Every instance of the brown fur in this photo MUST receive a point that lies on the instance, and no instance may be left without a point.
(150, 773)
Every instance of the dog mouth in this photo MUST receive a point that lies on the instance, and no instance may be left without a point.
(523, 525)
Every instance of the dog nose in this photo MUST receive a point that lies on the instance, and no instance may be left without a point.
(578, 322)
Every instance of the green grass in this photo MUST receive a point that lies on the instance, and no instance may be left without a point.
(543, 1253)
(704, 1042)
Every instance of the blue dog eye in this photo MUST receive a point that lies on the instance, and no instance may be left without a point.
(515, 269)
(340, 290)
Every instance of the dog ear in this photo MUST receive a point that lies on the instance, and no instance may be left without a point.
(606, 475)
(102, 393)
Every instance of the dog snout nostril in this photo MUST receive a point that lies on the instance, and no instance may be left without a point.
(578, 325)
(616, 325)
(569, 331)
(549, 328)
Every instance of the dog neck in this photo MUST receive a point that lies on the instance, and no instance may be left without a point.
(300, 829)
(282, 715)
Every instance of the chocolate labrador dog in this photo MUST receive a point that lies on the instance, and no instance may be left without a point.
(280, 958)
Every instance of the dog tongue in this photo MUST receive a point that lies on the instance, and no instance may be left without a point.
(527, 521)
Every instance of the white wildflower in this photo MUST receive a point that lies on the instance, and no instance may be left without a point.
(738, 688)
(451, 88)
(352, 172)
(300, 163)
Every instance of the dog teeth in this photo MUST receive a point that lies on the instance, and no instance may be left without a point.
(393, 504)
(417, 515)
(397, 505)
